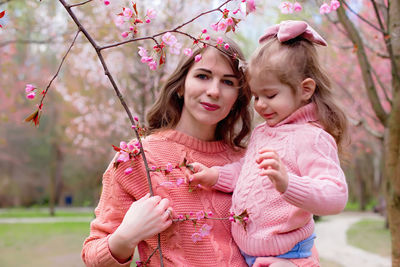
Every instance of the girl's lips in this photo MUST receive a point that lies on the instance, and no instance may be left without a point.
(209, 106)
(269, 115)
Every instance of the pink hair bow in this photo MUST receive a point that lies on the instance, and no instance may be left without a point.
(290, 29)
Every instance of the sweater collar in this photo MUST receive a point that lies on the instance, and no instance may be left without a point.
(302, 115)
(194, 143)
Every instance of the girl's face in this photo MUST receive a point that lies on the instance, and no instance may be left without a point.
(273, 100)
(211, 89)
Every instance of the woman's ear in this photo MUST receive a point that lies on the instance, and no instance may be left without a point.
(307, 89)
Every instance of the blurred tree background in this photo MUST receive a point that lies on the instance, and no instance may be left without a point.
(66, 155)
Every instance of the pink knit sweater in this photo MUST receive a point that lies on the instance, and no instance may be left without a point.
(120, 190)
(317, 185)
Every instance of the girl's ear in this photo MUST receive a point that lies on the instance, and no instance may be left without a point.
(307, 89)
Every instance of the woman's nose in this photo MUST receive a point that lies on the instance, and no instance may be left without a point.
(213, 90)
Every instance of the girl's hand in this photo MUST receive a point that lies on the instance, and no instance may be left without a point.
(271, 165)
(202, 175)
(145, 218)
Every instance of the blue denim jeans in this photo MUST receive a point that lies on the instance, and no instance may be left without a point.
(300, 250)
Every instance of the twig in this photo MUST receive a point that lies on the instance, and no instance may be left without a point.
(79, 4)
(58, 70)
(163, 32)
(362, 18)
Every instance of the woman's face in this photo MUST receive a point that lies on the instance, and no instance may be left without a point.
(211, 89)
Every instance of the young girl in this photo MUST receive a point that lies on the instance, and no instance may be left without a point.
(291, 169)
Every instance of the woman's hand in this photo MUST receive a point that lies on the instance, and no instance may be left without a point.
(145, 218)
(271, 165)
(202, 175)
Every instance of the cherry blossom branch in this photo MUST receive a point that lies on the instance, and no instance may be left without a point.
(164, 32)
(123, 103)
(58, 70)
(80, 4)
(362, 122)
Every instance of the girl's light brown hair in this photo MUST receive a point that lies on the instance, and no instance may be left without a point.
(293, 61)
(166, 111)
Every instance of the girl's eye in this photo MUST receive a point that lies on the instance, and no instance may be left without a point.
(271, 96)
(255, 98)
(228, 82)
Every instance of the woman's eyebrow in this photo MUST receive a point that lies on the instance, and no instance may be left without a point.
(210, 72)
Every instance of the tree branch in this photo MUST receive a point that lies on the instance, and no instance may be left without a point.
(362, 18)
(365, 125)
(161, 33)
(364, 64)
(79, 4)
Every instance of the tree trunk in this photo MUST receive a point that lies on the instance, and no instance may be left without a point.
(393, 136)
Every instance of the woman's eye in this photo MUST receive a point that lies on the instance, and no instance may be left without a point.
(201, 76)
(228, 82)
(271, 96)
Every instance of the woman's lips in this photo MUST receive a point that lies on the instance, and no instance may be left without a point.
(209, 106)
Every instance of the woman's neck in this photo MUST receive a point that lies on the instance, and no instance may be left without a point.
(202, 132)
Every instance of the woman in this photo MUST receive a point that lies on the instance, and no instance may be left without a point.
(195, 118)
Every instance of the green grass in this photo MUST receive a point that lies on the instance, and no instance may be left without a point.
(370, 235)
(47, 244)
(33, 213)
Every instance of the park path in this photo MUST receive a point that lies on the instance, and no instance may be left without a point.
(332, 245)
(331, 239)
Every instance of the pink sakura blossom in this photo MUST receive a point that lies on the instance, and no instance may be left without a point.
(128, 170)
(151, 13)
(29, 88)
(214, 26)
(210, 213)
(152, 65)
(205, 230)
(197, 58)
(324, 9)
(136, 118)
(204, 31)
(220, 40)
(207, 38)
(175, 48)
(106, 2)
(250, 6)
(169, 167)
(226, 46)
(188, 52)
(236, 11)
(297, 7)
(31, 95)
(169, 39)
(123, 156)
(196, 237)
(229, 21)
(334, 5)
(179, 181)
(124, 34)
(153, 168)
(147, 20)
(122, 145)
(127, 13)
(200, 215)
(222, 25)
(286, 7)
(180, 217)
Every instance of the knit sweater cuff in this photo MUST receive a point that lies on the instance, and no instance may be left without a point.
(225, 180)
(105, 258)
(297, 191)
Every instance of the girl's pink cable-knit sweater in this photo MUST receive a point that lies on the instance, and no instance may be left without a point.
(317, 185)
(120, 190)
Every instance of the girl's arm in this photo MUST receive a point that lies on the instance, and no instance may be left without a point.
(222, 178)
(121, 222)
(321, 187)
